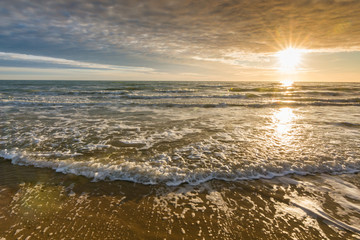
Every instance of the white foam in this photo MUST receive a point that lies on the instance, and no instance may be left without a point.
(161, 169)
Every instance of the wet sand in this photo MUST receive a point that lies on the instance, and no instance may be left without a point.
(38, 203)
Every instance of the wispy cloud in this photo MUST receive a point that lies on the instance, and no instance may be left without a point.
(243, 60)
(72, 63)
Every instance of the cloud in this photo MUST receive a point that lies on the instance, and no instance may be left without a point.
(184, 30)
(60, 61)
(238, 62)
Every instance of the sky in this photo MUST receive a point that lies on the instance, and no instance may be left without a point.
(179, 40)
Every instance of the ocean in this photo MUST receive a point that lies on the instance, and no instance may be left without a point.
(179, 160)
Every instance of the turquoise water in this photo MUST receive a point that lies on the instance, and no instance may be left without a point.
(181, 132)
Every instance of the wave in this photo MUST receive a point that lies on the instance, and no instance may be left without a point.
(345, 89)
(347, 124)
(176, 91)
(247, 105)
(148, 173)
(263, 104)
(235, 96)
(299, 89)
(260, 89)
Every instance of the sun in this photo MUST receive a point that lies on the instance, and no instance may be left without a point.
(289, 59)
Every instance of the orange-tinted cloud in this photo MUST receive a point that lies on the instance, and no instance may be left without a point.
(190, 29)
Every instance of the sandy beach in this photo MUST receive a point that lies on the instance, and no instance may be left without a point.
(38, 203)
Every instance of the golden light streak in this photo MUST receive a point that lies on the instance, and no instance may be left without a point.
(283, 120)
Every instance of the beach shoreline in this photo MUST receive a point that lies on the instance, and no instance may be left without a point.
(40, 203)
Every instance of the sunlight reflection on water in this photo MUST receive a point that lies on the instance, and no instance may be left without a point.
(283, 121)
(287, 83)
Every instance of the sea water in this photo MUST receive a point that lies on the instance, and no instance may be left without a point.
(181, 132)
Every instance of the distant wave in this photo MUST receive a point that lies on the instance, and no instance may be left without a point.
(347, 124)
(303, 90)
(272, 89)
(262, 104)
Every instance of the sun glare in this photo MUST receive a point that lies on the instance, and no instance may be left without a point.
(287, 83)
(289, 59)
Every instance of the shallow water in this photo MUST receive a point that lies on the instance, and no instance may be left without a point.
(177, 132)
(41, 204)
(192, 160)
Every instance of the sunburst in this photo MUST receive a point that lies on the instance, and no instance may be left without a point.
(289, 59)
